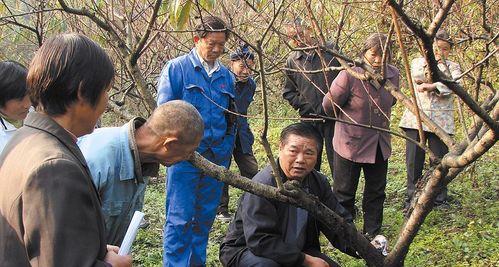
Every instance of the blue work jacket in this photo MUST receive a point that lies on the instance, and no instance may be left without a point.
(244, 96)
(184, 78)
(117, 173)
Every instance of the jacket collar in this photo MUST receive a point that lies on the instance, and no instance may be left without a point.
(140, 169)
(198, 65)
(6, 126)
(45, 123)
(193, 57)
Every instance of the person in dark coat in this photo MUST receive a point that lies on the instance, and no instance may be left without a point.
(271, 233)
(241, 64)
(305, 91)
(50, 210)
(358, 148)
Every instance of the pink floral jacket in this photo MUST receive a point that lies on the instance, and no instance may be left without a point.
(437, 104)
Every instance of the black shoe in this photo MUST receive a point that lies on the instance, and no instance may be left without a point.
(224, 217)
(442, 205)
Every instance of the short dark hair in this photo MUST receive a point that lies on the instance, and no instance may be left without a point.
(209, 24)
(65, 66)
(377, 41)
(301, 129)
(12, 81)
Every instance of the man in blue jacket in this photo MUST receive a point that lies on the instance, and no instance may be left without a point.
(191, 197)
(121, 159)
(241, 62)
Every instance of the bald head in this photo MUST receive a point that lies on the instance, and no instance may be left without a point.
(177, 118)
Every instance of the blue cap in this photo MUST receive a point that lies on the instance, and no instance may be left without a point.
(242, 52)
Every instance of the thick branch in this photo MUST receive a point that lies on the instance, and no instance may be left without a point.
(138, 49)
(414, 26)
(422, 208)
(472, 104)
(439, 178)
(133, 69)
(476, 148)
(439, 18)
(472, 153)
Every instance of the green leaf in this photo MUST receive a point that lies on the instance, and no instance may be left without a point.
(260, 4)
(174, 11)
(163, 7)
(207, 4)
(183, 17)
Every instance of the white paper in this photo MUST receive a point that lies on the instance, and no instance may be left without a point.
(131, 232)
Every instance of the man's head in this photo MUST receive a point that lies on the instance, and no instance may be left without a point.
(71, 74)
(211, 35)
(14, 103)
(299, 34)
(241, 62)
(299, 146)
(442, 45)
(171, 134)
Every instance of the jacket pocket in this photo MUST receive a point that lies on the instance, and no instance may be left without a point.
(193, 94)
(353, 135)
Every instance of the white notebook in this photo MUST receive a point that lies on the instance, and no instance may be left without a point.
(131, 232)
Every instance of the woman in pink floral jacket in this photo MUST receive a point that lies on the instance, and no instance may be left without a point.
(437, 101)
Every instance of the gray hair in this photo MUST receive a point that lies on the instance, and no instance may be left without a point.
(180, 118)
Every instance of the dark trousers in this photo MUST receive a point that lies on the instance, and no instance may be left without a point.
(248, 259)
(346, 180)
(326, 130)
(248, 167)
(415, 158)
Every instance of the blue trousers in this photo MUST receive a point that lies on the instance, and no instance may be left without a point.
(191, 204)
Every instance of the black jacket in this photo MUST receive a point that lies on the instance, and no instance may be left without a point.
(299, 89)
(259, 224)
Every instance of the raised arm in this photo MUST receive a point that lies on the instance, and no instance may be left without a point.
(339, 93)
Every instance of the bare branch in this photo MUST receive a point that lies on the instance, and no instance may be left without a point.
(408, 73)
(439, 18)
(138, 49)
(479, 63)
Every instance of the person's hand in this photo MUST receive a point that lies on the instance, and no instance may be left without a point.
(116, 260)
(311, 261)
(419, 81)
(426, 87)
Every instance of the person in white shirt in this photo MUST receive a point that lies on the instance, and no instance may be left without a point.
(14, 101)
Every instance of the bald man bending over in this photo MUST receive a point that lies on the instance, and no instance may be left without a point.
(121, 159)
